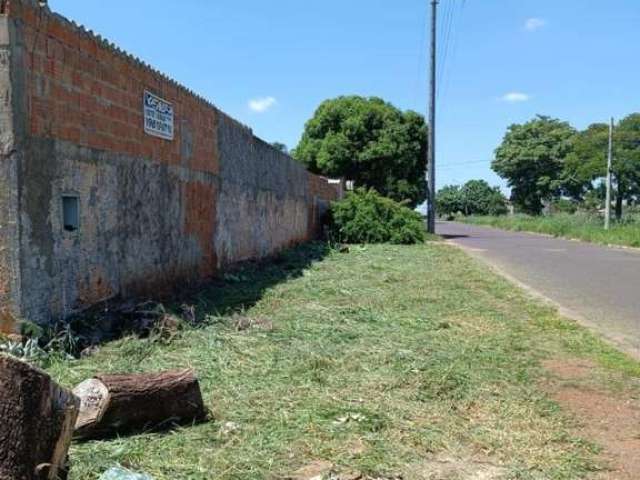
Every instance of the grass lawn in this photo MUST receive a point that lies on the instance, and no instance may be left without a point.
(581, 227)
(381, 360)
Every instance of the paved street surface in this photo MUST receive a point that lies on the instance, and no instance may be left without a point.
(596, 284)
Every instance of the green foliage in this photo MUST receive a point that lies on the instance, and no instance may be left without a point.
(30, 329)
(531, 157)
(626, 162)
(479, 198)
(587, 162)
(40, 346)
(476, 197)
(28, 351)
(546, 159)
(449, 201)
(369, 141)
(564, 205)
(280, 146)
(365, 216)
(582, 226)
(594, 199)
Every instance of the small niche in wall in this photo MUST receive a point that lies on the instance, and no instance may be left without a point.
(70, 213)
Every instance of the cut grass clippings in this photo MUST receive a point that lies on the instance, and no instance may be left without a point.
(588, 228)
(377, 361)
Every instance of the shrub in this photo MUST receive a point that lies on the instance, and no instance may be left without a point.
(563, 205)
(365, 216)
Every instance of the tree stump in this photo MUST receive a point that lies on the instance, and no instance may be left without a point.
(112, 404)
(36, 422)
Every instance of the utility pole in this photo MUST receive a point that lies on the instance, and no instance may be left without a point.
(431, 144)
(607, 208)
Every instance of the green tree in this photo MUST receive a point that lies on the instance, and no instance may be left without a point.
(531, 158)
(280, 146)
(369, 141)
(626, 161)
(588, 160)
(476, 197)
(479, 198)
(449, 200)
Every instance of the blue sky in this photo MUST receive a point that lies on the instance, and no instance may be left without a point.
(270, 63)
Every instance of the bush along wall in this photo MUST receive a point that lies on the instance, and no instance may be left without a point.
(364, 216)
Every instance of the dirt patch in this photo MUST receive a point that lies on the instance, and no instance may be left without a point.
(570, 369)
(437, 468)
(451, 468)
(610, 420)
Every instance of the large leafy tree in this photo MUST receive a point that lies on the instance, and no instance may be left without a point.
(588, 160)
(626, 160)
(369, 141)
(449, 200)
(476, 197)
(531, 158)
(479, 198)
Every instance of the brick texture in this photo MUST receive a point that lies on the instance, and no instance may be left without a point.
(153, 212)
(83, 91)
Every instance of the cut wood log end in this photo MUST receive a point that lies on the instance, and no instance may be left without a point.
(94, 396)
(113, 404)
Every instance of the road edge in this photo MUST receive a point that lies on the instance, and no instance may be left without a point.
(613, 246)
(618, 342)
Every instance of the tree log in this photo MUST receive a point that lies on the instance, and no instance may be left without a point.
(36, 422)
(114, 404)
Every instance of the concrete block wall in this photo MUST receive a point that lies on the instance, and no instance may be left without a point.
(9, 162)
(8, 265)
(262, 205)
(153, 212)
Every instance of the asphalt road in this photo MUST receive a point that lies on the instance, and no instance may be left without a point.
(597, 285)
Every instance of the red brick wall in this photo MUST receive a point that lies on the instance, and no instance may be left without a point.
(83, 91)
(142, 224)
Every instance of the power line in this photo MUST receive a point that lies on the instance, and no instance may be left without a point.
(449, 65)
(460, 164)
(445, 34)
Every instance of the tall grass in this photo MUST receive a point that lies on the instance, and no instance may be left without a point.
(587, 227)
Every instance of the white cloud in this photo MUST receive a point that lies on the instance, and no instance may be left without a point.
(515, 97)
(261, 105)
(534, 23)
